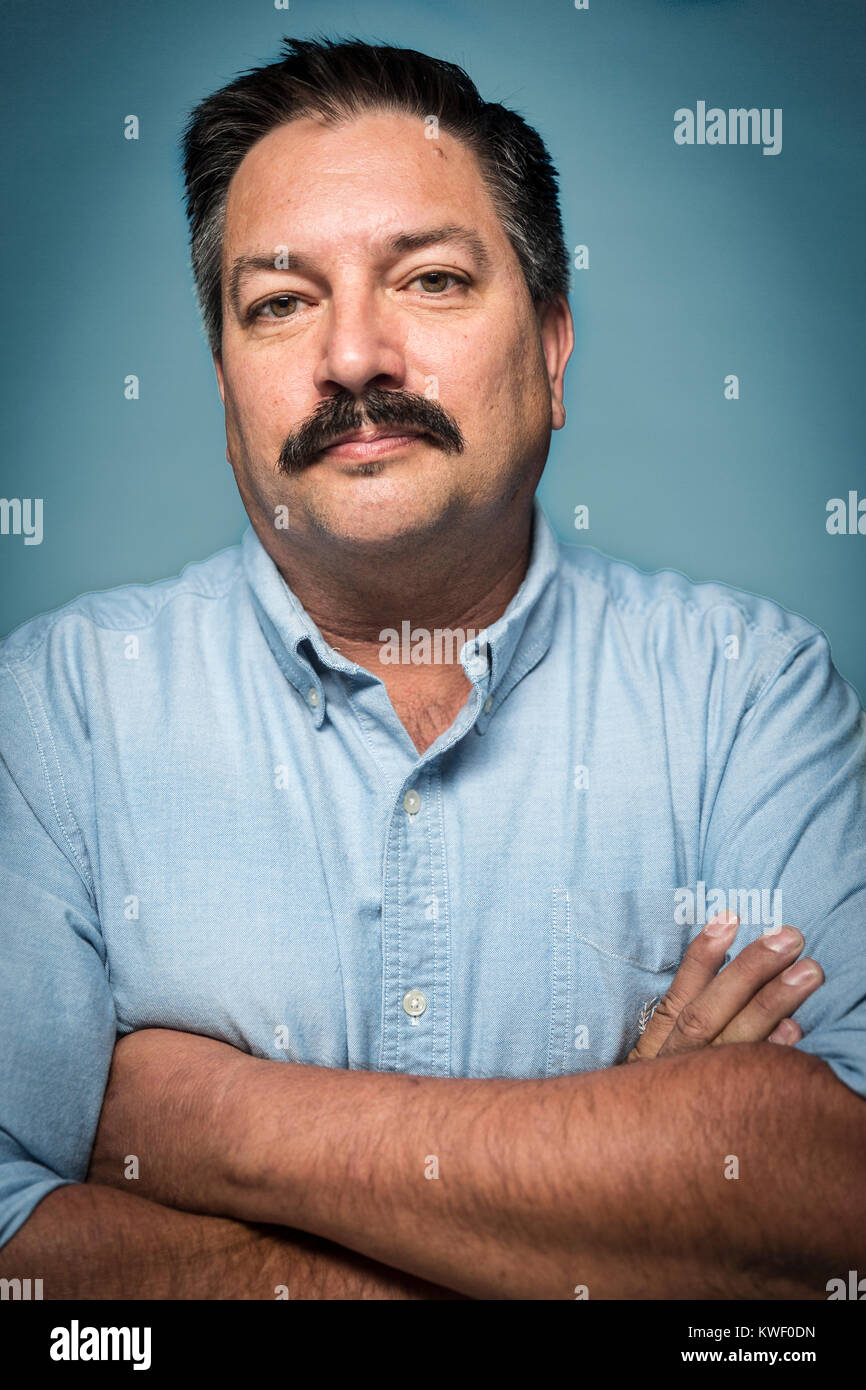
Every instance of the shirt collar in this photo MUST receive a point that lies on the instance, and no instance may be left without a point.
(515, 642)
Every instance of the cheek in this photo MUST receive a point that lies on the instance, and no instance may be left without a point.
(261, 402)
(468, 370)
(510, 393)
(530, 387)
(439, 363)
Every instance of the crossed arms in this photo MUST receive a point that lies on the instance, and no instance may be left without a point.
(620, 1182)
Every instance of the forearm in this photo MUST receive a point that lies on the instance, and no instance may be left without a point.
(91, 1242)
(612, 1179)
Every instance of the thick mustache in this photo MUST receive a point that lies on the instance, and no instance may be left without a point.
(342, 413)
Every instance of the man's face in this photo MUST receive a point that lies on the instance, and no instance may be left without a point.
(400, 280)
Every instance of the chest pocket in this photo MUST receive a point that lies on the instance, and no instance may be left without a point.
(614, 953)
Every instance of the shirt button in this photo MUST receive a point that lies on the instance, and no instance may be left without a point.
(488, 704)
(414, 1003)
(412, 804)
(313, 696)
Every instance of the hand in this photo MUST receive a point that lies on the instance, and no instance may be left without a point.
(751, 1000)
(162, 1106)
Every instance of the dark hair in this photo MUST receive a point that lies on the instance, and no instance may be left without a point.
(335, 80)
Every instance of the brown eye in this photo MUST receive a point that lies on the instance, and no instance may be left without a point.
(281, 306)
(439, 278)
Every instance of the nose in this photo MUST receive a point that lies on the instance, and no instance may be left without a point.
(361, 347)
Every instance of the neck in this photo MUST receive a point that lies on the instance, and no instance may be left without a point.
(464, 581)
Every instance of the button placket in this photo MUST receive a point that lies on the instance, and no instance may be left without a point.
(416, 985)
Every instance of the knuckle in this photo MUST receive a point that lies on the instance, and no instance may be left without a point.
(692, 1022)
(765, 1002)
(754, 963)
(668, 1008)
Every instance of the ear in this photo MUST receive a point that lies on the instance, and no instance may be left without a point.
(218, 368)
(557, 340)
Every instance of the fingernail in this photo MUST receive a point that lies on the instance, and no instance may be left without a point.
(721, 924)
(785, 1033)
(782, 938)
(800, 973)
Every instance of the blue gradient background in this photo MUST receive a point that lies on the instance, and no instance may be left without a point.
(704, 261)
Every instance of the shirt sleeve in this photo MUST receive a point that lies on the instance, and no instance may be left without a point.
(57, 1018)
(790, 816)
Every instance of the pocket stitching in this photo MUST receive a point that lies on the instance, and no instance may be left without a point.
(627, 960)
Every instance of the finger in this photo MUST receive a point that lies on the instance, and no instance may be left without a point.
(776, 1001)
(787, 1033)
(703, 1018)
(700, 964)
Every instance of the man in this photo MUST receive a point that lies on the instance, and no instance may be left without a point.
(381, 937)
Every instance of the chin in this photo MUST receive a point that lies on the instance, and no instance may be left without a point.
(378, 510)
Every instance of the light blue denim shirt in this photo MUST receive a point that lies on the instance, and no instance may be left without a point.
(213, 822)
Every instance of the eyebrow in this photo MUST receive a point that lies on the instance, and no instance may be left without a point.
(399, 245)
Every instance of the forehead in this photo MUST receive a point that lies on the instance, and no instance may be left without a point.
(306, 181)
